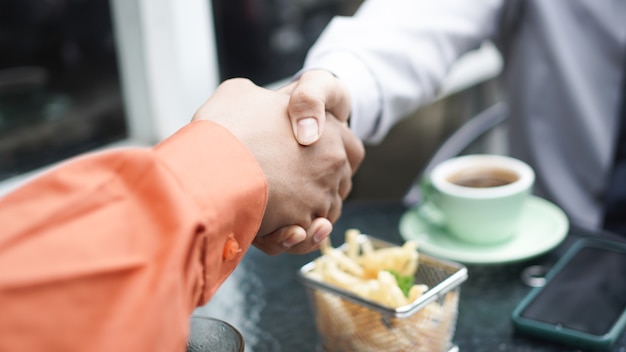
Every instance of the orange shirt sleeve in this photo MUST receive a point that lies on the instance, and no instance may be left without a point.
(112, 251)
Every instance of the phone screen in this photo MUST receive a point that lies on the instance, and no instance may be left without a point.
(588, 294)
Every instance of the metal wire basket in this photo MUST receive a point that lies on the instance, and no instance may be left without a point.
(347, 322)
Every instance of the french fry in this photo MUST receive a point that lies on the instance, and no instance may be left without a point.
(333, 275)
(325, 246)
(367, 247)
(346, 263)
(416, 292)
(352, 239)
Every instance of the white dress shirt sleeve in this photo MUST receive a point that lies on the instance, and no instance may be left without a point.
(393, 55)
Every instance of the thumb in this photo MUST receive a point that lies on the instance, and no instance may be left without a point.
(312, 95)
(307, 112)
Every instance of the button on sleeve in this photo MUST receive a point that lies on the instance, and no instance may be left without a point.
(231, 248)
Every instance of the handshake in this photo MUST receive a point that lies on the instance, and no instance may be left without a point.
(159, 229)
(299, 136)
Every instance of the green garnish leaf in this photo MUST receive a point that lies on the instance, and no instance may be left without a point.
(404, 282)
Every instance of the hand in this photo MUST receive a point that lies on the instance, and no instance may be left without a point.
(312, 95)
(304, 183)
(294, 239)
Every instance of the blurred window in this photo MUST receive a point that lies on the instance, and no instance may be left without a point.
(267, 40)
(59, 82)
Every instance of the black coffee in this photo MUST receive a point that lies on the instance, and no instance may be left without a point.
(483, 177)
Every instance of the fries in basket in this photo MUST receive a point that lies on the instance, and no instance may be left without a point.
(384, 275)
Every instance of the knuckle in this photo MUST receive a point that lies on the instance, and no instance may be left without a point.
(335, 210)
(345, 188)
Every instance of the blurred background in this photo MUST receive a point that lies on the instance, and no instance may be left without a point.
(59, 82)
(81, 75)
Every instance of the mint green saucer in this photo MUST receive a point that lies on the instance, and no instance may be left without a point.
(543, 226)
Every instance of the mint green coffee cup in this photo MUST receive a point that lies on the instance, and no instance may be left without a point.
(477, 198)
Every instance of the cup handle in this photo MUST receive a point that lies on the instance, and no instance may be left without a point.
(428, 210)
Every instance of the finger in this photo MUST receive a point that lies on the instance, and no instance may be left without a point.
(352, 158)
(318, 232)
(345, 184)
(334, 212)
(314, 93)
(324, 86)
(355, 150)
(280, 240)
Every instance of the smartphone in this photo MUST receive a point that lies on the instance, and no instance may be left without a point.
(583, 301)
